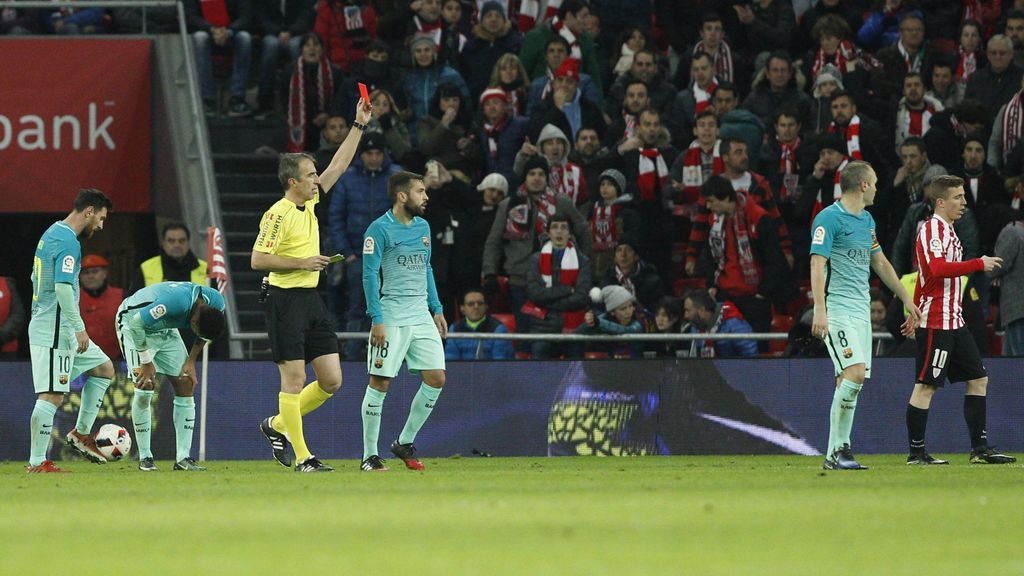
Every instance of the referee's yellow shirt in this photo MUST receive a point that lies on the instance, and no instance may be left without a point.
(293, 233)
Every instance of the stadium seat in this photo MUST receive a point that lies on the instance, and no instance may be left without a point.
(523, 356)
(595, 355)
(508, 320)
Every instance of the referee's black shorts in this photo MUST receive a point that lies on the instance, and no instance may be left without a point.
(943, 354)
(298, 325)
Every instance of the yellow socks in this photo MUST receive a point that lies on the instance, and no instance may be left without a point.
(311, 398)
(291, 417)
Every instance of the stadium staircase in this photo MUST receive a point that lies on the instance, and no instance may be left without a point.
(247, 185)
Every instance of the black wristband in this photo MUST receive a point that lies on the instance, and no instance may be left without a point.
(358, 125)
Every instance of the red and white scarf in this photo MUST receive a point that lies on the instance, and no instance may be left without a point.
(913, 122)
(432, 30)
(568, 179)
(603, 228)
(529, 13)
(653, 174)
(852, 135)
(967, 64)
(843, 54)
(837, 191)
(297, 100)
(723, 60)
(718, 239)
(517, 225)
(693, 170)
(574, 43)
(568, 274)
(1012, 124)
(630, 121)
(911, 62)
(972, 11)
(492, 131)
(703, 97)
(788, 168)
(215, 12)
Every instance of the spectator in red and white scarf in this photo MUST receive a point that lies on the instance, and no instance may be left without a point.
(970, 55)
(569, 24)
(625, 119)
(703, 315)
(865, 139)
(312, 80)
(701, 160)
(915, 109)
(821, 188)
(564, 176)
(555, 55)
(588, 155)
(744, 261)
(693, 100)
(786, 159)
(908, 54)
(558, 286)
(509, 75)
(501, 134)
(283, 24)
(645, 69)
(612, 217)
(712, 41)
(644, 160)
(832, 35)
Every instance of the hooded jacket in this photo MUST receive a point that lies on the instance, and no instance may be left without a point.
(358, 198)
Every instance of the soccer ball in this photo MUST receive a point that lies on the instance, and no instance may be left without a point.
(113, 441)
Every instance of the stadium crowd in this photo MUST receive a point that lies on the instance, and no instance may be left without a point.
(670, 154)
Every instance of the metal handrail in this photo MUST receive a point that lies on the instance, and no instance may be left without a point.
(646, 337)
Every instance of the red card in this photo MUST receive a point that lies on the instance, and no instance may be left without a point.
(363, 92)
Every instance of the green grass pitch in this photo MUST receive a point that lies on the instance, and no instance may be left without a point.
(728, 515)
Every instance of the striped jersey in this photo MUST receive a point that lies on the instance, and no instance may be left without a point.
(398, 281)
(939, 290)
(57, 260)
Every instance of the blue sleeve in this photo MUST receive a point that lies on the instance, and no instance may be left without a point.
(85, 17)
(433, 302)
(212, 298)
(67, 258)
(590, 92)
(741, 348)
(337, 216)
(822, 234)
(373, 245)
(871, 30)
(502, 349)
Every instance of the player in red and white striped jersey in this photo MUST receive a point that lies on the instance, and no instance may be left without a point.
(945, 348)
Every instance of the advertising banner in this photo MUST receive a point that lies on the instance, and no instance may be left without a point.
(74, 114)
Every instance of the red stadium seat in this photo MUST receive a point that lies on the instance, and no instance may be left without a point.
(508, 320)
(523, 356)
(595, 355)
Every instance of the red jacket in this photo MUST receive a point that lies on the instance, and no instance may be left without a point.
(344, 46)
(98, 315)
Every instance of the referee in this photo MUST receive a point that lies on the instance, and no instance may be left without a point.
(300, 329)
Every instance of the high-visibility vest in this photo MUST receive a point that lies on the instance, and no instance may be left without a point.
(153, 272)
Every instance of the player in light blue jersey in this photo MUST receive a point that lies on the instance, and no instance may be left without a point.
(147, 324)
(844, 250)
(407, 317)
(60, 346)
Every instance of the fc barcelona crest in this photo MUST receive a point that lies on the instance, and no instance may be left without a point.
(63, 379)
(378, 363)
(847, 353)
(426, 241)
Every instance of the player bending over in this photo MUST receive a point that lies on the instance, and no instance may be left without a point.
(844, 250)
(147, 326)
(60, 347)
(407, 317)
(945, 348)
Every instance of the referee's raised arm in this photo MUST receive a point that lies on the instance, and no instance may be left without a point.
(343, 157)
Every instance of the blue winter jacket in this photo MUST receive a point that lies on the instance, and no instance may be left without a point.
(421, 84)
(458, 349)
(357, 199)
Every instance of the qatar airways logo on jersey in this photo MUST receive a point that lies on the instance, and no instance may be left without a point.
(87, 130)
(412, 261)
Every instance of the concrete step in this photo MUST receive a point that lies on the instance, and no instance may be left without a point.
(237, 163)
(244, 135)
